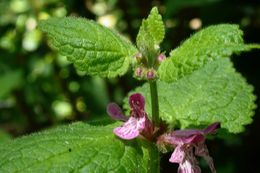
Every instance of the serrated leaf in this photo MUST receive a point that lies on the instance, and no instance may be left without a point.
(93, 48)
(213, 93)
(152, 30)
(76, 148)
(209, 44)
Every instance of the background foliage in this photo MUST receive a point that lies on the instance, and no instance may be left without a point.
(41, 89)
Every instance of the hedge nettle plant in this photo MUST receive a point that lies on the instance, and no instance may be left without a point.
(196, 86)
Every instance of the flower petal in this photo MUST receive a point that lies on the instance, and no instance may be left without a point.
(137, 101)
(179, 137)
(192, 135)
(212, 128)
(178, 155)
(115, 112)
(202, 150)
(186, 133)
(188, 167)
(189, 163)
(130, 129)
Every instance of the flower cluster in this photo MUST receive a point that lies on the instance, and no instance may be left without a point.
(187, 143)
(143, 71)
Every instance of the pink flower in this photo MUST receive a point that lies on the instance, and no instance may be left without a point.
(151, 74)
(185, 141)
(161, 57)
(138, 72)
(138, 122)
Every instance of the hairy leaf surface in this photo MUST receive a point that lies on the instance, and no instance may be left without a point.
(152, 30)
(213, 93)
(91, 47)
(76, 148)
(207, 45)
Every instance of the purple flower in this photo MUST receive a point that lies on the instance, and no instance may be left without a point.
(138, 71)
(185, 141)
(138, 122)
(161, 57)
(150, 74)
(115, 112)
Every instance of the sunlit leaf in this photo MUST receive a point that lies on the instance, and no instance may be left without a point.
(207, 45)
(76, 148)
(213, 93)
(93, 48)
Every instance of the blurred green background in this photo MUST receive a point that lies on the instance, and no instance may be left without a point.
(39, 88)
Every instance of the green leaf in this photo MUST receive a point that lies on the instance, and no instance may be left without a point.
(76, 148)
(152, 30)
(210, 44)
(93, 48)
(213, 93)
(4, 136)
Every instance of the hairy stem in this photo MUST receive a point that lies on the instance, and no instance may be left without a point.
(155, 159)
(154, 163)
(155, 104)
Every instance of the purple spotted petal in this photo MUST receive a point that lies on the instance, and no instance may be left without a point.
(184, 142)
(202, 151)
(212, 128)
(115, 112)
(187, 161)
(130, 129)
(178, 155)
(137, 101)
(187, 167)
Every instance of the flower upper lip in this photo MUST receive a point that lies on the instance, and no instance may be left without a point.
(137, 102)
(189, 135)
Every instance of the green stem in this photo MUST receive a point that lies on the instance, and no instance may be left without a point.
(154, 155)
(154, 163)
(155, 103)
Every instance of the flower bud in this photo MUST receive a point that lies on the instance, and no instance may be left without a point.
(150, 74)
(138, 71)
(156, 47)
(139, 56)
(161, 58)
